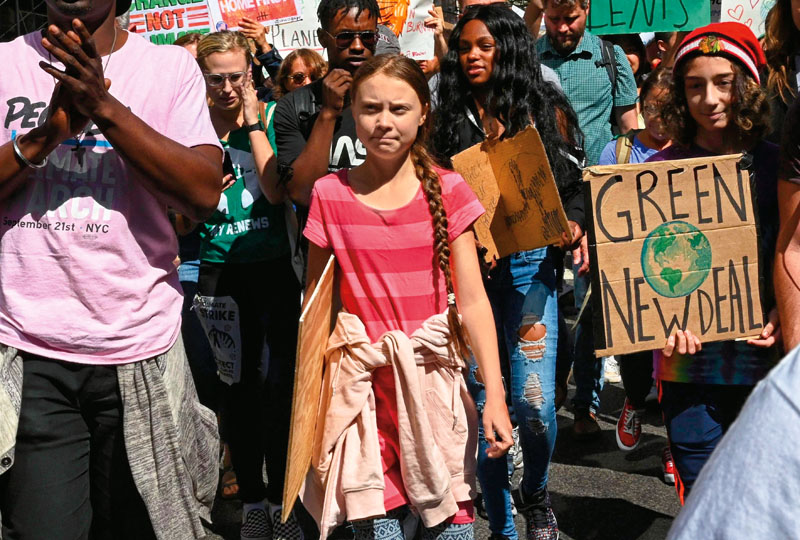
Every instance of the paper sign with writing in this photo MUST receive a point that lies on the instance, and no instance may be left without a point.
(752, 13)
(633, 16)
(513, 181)
(673, 245)
(164, 21)
(228, 13)
(416, 39)
(315, 328)
(301, 34)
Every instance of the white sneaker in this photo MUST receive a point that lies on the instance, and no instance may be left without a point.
(611, 370)
(256, 524)
(652, 396)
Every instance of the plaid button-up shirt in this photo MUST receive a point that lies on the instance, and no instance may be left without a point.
(588, 87)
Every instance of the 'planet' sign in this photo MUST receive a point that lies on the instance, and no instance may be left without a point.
(673, 245)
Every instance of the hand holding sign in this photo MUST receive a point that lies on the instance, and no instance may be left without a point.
(255, 31)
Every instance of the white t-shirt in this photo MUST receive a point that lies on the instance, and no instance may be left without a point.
(86, 252)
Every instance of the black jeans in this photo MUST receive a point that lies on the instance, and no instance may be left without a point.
(256, 411)
(636, 370)
(70, 478)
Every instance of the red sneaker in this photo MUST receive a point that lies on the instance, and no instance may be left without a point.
(668, 466)
(629, 427)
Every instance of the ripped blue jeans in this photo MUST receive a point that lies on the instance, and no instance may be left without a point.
(522, 291)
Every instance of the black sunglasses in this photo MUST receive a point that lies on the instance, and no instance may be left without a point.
(344, 39)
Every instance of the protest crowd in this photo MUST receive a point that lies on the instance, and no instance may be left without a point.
(174, 215)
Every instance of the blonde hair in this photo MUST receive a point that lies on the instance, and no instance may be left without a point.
(221, 42)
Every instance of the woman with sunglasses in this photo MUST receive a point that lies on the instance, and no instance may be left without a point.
(300, 68)
(494, 89)
(248, 294)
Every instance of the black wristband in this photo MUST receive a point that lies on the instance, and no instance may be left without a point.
(255, 127)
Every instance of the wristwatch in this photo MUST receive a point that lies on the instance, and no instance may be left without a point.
(255, 127)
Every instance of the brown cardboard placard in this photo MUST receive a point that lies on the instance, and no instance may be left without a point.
(312, 338)
(673, 245)
(513, 181)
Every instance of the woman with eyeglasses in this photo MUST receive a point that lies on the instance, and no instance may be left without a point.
(248, 293)
(491, 87)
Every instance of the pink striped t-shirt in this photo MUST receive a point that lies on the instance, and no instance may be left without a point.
(389, 278)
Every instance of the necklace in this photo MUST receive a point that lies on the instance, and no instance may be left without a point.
(79, 150)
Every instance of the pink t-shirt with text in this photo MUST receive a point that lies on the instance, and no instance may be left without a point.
(86, 252)
(389, 279)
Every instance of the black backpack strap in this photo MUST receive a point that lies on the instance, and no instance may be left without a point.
(609, 61)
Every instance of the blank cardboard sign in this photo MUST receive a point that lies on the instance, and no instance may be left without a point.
(513, 181)
(313, 333)
(673, 245)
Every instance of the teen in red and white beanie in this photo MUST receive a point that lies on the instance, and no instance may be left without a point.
(732, 40)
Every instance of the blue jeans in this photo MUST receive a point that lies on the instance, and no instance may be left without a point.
(696, 417)
(522, 291)
(586, 368)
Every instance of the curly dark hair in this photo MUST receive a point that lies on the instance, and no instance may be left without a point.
(781, 42)
(517, 97)
(749, 110)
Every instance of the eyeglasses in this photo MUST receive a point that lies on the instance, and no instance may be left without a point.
(237, 78)
(300, 77)
(344, 39)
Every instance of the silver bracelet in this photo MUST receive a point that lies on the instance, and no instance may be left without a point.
(24, 159)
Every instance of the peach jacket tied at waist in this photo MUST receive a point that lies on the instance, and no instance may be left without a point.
(437, 426)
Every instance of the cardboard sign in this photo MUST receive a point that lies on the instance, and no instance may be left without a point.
(164, 21)
(513, 181)
(416, 39)
(228, 13)
(316, 324)
(753, 13)
(673, 245)
(301, 34)
(634, 16)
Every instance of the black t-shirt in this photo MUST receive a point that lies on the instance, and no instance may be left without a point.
(295, 115)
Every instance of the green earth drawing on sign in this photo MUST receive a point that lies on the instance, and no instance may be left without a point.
(676, 258)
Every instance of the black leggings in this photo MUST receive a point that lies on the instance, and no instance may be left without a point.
(636, 370)
(256, 411)
(70, 478)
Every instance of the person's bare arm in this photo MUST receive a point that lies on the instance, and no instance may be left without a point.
(627, 118)
(533, 16)
(317, 259)
(187, 179)
(312, 163)
(787, 263)
(264, 158)
(476, 313)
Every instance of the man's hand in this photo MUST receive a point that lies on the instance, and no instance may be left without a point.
(255, 31)
(82, 80)
(334, 90)
(580, 255)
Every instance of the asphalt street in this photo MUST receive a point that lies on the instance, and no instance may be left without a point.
(598, 492)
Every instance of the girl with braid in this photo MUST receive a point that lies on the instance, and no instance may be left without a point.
(398, 425)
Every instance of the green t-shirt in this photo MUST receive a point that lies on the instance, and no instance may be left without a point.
(245, 227)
